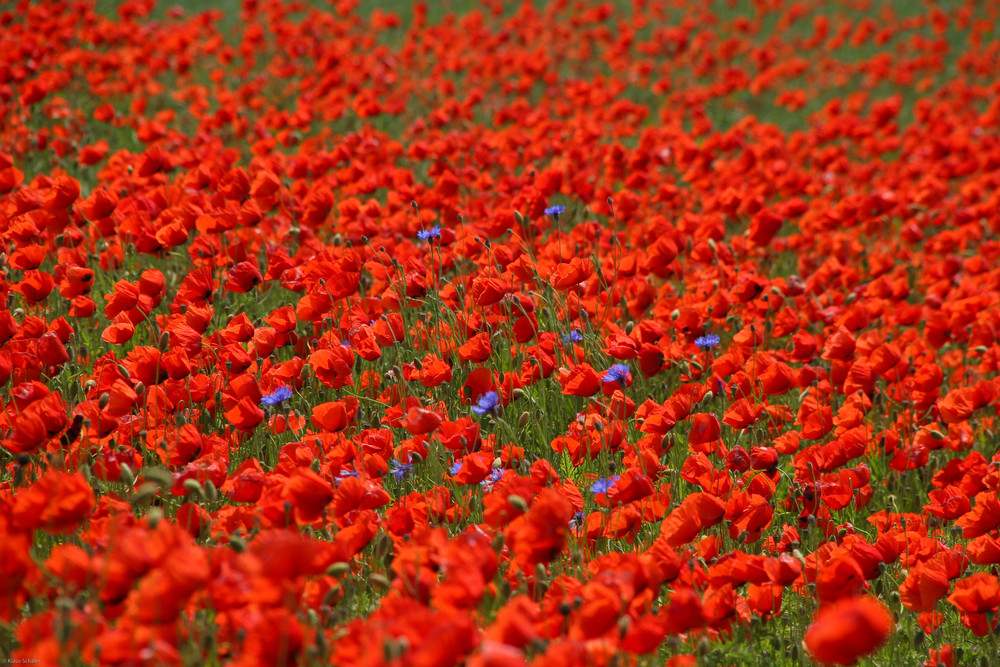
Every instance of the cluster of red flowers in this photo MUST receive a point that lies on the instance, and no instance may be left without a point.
(521, 336)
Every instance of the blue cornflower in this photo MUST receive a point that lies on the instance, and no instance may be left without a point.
(618, 373)
(604, 484)
(455, 467)
(279, 395)
(487, 403)
(432, 233)
(400, 470)
(344, 474)
(573, 336)
(555, 211)
(707, 341)
(576, 521)
(493, 478)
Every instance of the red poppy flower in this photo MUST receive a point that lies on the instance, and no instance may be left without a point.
(847, 630)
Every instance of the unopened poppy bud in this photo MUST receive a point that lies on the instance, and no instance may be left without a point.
(675, 314)
(518, 217)
(518, 393)
(379, 581)
(338, 569)
(237, 544)
(211, 492)
(164, 341)
(192, 486)
(143, 494)
(712, 244)
(90, 385)
(518, 502)
(629, 326)
(623, 625)
(599, 426)
(497, 462)
(153, 516)
(524, 419)
(540, 573)
(415, 457)
(497, 543)
(128, 476)
(314, 465)
(140, 388)
(981, 349)
(937, 435)
(382, 546)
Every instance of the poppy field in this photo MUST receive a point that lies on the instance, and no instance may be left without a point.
(500, 333)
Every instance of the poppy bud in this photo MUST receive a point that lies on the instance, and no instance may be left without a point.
(237, 544)
(140, 388)
(338, 569)
(192, 486)
(518, 502)
(623, 625)
(524, 419)
(143, 494)
(211, 493)
(314, 465)
(127, 475)
(518, 217)
(540, 573)
(153, 516)
(103, 401)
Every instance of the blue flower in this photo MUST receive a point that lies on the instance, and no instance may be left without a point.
(618, 373)
(455, 467)
(604, 484)
(493, 478)
(344, 474)
(576, 521)
(707, 341)
(555, 211)
(400, 470)
(487, 403)
(280, 395)
(432, 233)
(573, 336)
